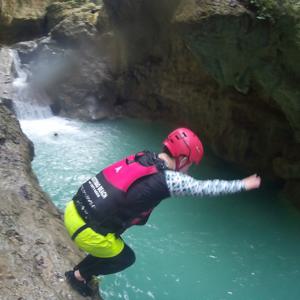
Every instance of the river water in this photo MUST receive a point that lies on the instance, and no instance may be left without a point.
(241, 247)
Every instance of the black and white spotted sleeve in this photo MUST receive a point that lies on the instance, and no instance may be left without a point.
(180, 184)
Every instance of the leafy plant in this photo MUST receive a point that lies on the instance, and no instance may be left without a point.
(273, 9)
(264, 8)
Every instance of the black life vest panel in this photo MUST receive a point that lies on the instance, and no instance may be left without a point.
(101, 199)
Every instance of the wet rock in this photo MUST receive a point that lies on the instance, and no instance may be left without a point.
(22, 21)
(6, 62)
(24, 192)
(31, 265)
(219, 69)
(287, 169)
(68, 64)
(26, 50)
(242, 52)
(291, 192)
(78, 90)
(8, 103)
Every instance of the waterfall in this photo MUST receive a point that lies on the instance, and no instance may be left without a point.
(29, 101)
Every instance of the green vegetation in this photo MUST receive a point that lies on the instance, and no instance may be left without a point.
(273, 9)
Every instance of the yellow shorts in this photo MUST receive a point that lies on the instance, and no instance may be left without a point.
(88, 240)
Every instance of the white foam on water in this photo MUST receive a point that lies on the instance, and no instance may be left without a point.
(49, 127)
(20, 82)
(30, 102)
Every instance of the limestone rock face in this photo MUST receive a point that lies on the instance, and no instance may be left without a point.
(71, 62)
(34, 246)
(74, 61)
(21, 20)
(220, 68)
(6, 62)
(242, 52)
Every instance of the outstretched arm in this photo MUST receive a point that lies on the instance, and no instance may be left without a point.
(180, 184)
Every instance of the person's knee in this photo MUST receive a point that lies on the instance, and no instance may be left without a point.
(128, 256)
(132, 258)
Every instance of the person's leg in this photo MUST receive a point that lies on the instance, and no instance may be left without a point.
(92, 265)
(98, 246)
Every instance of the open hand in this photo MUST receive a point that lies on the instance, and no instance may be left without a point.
(252, 182)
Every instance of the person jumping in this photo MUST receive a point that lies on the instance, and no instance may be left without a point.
(125, 193)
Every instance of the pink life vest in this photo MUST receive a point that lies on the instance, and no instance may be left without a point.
(100, 199)
(124, 173)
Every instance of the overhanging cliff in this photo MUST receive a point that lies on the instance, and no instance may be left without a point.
(226, 68)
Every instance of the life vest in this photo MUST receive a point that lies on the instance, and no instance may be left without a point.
(101, 199)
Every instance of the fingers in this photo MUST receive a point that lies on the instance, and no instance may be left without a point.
(252, 182)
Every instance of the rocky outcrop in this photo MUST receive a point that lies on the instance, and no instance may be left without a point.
(35, 249)
(250, 52)
(220, 68)
(71, 63)
(22, 20)
(6, 90)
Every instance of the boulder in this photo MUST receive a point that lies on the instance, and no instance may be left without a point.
(73, 60)
(22, 20)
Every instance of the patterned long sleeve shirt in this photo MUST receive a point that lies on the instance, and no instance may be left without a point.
(180, 184)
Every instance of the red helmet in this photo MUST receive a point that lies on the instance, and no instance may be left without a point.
(184, 142)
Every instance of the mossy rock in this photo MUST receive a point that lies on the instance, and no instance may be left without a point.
(22, 20)
(242, 51)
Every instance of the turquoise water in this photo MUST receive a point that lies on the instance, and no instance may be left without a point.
(241, 247)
